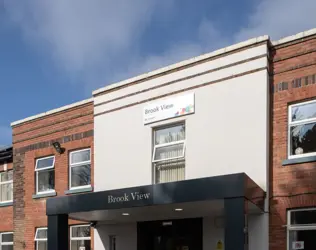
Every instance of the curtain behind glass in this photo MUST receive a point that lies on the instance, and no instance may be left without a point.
(169, 170)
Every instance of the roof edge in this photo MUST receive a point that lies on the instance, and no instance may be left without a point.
(183, 63)
(294, 37)
(50, 112)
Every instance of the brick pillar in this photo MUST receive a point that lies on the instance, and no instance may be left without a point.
(18, 200)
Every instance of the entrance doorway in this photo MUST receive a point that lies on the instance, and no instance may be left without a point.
(183, 234)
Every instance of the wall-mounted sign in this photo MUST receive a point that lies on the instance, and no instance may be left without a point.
(169, 108)
(298, 245)
(127, 197)
(167, 223)
(219, 245)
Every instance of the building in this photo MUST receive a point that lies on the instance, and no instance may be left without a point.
(6, 198)
(190, 156)
(293, 157)
(162, 174)
(43, 170)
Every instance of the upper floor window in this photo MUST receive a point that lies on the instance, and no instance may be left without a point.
(41, 238)
(80, 168)
(80, 237)
(6, 186)
(6, 241)
(45, 174)
(169, 153)
(302, 129)
(301, 225)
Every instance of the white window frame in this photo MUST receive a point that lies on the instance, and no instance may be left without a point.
(5, 243)
(79, 238)
(300, 227)
(168, 144)
(6, 182)
(43, 169)
(79, 164)
(38, 240)
(300, 122)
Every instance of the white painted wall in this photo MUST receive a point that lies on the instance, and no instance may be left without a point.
(258, 228)
(126, 236)
(212, 233)
(227, 134)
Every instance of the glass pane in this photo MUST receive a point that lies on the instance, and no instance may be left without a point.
(46, 180)
(7, 176)
(169, 171)
(7, 247)
(41, 234)
(44, 163)
(81, 156)
(308, 237)
(80, 175)
(168, 152)
(6, 192)
(170, 134)
(7, 237)
(41, 245)
(80, 245)
(304, 111)
(82, 231)
(303, 217)
(303, 139)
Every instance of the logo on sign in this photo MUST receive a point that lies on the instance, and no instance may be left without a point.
(298, 245)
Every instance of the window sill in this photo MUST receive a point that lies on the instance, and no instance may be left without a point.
(6, 204)
(79, 190)
(38, 196)
(299, 160)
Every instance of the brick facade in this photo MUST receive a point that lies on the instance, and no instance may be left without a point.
(293, 185)
(73, 128)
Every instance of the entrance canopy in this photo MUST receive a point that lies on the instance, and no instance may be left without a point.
(234, 195)
(209, 191)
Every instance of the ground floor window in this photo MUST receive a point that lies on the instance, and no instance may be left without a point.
(80, 237)
(6, 241)
(302, 229)
(41, 239)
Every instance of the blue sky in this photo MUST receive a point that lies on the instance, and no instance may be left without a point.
(53, 53)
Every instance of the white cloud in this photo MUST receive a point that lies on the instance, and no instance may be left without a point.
(82, 36)
(279, 18)
(96, 41)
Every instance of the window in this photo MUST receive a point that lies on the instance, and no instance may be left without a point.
(301, 229)
(169, 153)
(80, 168)
(41, 239)
(6, 186)
(112, 241)
(45, 174)
(6, 241)
(80, 237)
(302, 129)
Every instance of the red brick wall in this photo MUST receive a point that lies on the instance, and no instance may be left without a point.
(73, 128)
(6, 213)
(291, 186)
